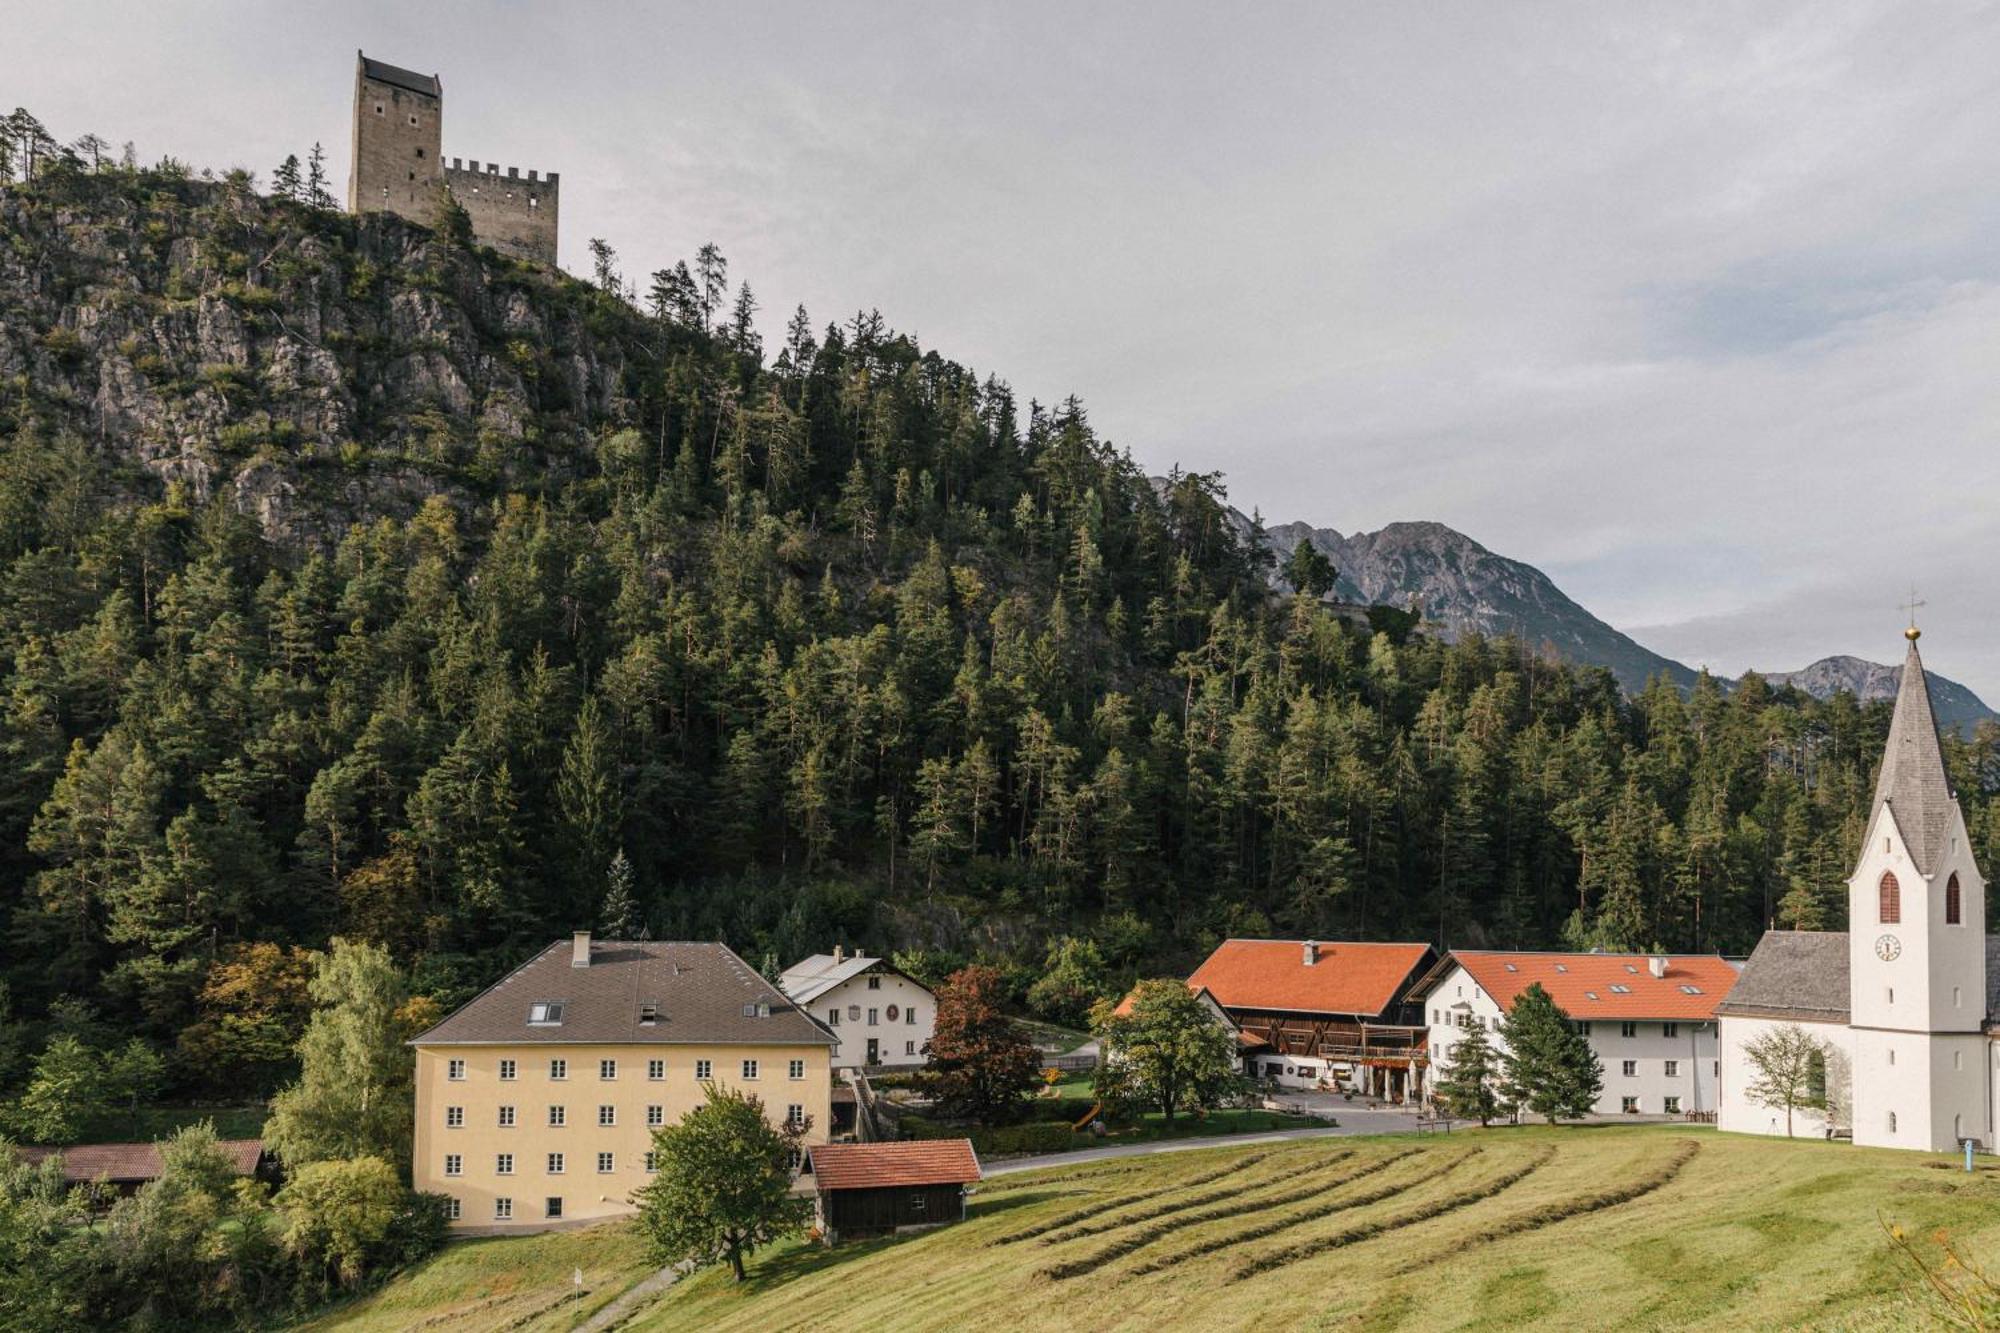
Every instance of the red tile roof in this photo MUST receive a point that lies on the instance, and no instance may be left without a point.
(134, 1161)
(1603, 985)
(867, 1166)
(1363, 979)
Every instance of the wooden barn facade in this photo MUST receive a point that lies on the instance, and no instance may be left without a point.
(875, 1189)
(1318, 1015)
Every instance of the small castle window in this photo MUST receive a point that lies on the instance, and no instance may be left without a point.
(413, 120)
(533, 202)
(378, 108)
(1890, 899)
(420, 152)
(385, 192)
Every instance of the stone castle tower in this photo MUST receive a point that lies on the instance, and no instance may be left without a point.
(398, 168)
(1917, 948)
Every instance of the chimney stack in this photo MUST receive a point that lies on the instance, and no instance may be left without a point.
(1311, 952)
(839, 955)
(1657, 966)
(579, 949)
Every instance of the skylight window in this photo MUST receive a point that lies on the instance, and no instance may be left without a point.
(1512, 968)
(1590, 995)
(1562, 967)
(1690, 990)
(762, 1010)
(1621, 990)
(1633, 970)
(545, 1014)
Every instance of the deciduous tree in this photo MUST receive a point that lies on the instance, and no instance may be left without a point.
(1167, 1051)
(981, 1066)
(1788, 1071)
(723, 1185)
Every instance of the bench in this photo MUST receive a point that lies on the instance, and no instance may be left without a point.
(1440, 1125)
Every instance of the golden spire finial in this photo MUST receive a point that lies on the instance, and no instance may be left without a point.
(1913, 633)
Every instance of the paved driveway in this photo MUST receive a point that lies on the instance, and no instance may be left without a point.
(1353, 1120)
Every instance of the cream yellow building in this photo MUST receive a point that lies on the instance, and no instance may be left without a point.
(537, 1100)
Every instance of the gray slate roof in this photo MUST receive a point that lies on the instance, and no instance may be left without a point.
(1794, 974)
(397, 76)
(807, 980)
(1803, 974)
(700, 991)
(1913, 782)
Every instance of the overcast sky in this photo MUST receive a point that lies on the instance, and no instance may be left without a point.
(1697, 310)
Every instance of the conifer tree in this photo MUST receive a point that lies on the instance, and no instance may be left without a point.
(1470, 1084)
(316, 191)
(1551, 1069)
(286, 182)
(619, 917)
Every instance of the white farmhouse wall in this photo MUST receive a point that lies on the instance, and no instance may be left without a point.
(856, 1014)
(1690, 1052)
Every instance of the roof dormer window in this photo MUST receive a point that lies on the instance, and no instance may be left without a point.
(649, 1014)
(545, 1014)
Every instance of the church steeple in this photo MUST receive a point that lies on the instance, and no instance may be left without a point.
(1913, 782)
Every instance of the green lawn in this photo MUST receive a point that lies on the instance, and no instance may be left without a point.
(1614, 1228)
(1623, 1227)
(516, 1283)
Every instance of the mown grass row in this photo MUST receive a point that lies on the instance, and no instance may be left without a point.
(1550, 1214)
(1076, 1215)
(1101, 1225)
(1260, 1202)
(1290, 1220)
(1450, 1203)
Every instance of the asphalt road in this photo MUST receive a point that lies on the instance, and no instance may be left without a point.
(1353, 1120)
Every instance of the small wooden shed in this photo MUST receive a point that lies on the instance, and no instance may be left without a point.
(871, 1189)
(126, 1166)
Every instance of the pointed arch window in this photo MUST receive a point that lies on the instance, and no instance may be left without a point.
(1891, 899)
(1953, 903)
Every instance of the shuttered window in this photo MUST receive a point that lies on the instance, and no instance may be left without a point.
(1891, 899)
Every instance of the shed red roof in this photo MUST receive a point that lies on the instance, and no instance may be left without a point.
(1362, 979)
(1603, 985)
(867, 1166)
(124, 1162)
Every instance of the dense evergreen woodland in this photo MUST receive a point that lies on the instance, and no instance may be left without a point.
(357, 581)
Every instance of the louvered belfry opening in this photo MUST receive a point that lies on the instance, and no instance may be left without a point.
(1891, 899)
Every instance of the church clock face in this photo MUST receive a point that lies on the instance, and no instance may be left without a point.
(1888, 948)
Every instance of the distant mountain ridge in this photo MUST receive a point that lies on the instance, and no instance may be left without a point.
(1956, 706)
(1464, 587)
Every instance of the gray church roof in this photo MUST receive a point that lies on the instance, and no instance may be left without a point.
(398, 77)
(1793, 974)
(1913, 782)
(1802, 974)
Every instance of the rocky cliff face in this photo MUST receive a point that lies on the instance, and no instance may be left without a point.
(317, 368)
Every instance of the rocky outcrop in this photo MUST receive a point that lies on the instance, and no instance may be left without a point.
(313, 368)
(1957, 707)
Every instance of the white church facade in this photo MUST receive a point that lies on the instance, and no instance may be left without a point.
(1900, 1000)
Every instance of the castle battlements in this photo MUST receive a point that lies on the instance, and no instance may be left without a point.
(398, 127)
(512, 173)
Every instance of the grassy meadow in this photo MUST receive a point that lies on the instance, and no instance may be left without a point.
(1613, 1227)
